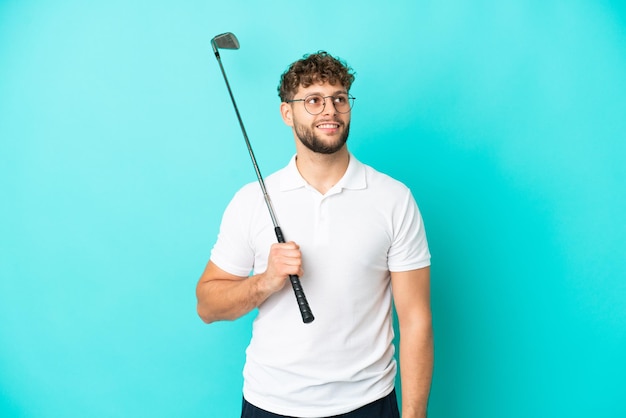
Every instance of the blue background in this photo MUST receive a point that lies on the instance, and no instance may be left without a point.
(119, 150)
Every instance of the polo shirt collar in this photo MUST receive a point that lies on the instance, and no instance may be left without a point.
(353, 179)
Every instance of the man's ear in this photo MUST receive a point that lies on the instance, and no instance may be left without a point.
(287, 113)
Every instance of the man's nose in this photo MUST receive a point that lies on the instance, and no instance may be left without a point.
(329, 106)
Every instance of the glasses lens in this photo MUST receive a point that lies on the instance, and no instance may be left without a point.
(342, 102)
(314, 104)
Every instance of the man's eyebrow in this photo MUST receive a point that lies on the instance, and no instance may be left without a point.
(322, 94)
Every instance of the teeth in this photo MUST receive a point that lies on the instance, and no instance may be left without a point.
(328, 126)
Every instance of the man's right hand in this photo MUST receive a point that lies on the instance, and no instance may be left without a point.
(224, 296)
(284, 260)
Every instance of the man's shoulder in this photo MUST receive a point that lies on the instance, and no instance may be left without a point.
(246, 194)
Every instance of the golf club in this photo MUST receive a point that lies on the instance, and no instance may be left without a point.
(229, 41)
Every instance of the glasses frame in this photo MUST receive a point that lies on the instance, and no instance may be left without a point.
(351, 100)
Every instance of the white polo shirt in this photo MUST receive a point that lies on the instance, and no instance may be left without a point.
(351, 238)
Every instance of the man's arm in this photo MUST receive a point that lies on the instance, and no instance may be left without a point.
(224, 296)
(411, 293)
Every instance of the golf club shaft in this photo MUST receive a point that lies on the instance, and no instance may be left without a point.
(303, 304)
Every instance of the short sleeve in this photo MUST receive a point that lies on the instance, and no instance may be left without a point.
(409, 249)
(232, 251)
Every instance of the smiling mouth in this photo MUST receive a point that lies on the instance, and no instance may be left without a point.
(327, 125)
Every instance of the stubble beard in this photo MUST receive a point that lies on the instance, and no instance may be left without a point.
(315, 144)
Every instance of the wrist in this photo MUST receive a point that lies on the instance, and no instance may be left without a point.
(262, 287)
(413, 412)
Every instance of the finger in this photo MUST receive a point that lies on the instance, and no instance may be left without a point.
(290, 260)
(288, 245)
(286, 252)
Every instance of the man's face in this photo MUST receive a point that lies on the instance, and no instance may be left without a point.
(324, 133)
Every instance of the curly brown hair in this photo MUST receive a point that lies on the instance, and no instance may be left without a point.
(314, 68)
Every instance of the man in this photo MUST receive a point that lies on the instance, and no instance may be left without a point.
(356, 239)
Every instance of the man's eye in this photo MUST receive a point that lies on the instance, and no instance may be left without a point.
(314, 100)
(341, 99)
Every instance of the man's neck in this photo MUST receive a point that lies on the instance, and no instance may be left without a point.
(323, 171)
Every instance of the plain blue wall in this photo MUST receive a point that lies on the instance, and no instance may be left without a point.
(119, 150)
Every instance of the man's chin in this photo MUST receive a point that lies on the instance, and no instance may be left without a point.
(318, 146)
(326, 149)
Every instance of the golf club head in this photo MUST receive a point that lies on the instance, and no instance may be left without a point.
(226, 40)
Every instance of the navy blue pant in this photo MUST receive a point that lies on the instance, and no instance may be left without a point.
(386, 407)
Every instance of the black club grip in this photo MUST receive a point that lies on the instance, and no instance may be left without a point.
(303, 304)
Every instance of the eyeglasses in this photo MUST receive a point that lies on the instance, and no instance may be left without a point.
(316, 103)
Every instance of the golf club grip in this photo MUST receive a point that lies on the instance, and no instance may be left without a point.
(303, 304)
